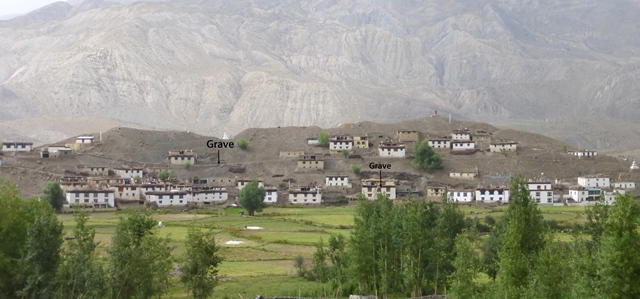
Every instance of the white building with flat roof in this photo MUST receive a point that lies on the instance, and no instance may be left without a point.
(541, 192)
(594, 182)
(492, 195)
(92, 198)
(461, 195)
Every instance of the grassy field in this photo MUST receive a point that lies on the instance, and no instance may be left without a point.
(262, 264)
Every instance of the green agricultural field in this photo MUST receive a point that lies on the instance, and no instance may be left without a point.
(262, 262)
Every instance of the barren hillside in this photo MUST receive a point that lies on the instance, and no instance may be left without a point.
(537, 156)
(565, 68)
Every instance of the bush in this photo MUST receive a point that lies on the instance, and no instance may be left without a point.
(343, 201)
(356, 169)
(243, 144)
(187, 166)
(323, 138)
(345, 153)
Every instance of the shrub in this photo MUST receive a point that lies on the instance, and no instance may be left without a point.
(243, 144)
(356, 169)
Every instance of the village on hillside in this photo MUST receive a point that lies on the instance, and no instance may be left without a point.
(316, 174)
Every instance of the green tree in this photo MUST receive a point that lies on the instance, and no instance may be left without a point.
(252, 198)
(243, 144)
(187, 166)
(467, 265)
(201, 262)
(137, 180)
(425, 158)
(163, 175)
(524, 237)
(54, 195)
(323, 138)
(13, 235)
(40, 254)
(81, 275)
(300, 266)
(319, 262)
(139, 262)
(619, 261)
(356, 169)
(345, 153)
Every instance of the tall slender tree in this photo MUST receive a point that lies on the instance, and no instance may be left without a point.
(619, 261)
(201, 262)
(54, 195)
(81, 275)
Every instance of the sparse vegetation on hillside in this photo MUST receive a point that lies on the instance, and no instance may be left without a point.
(425, 158)
(356, 169)
(243, 144)
(163, 175)
(323, 138)
(187, 166)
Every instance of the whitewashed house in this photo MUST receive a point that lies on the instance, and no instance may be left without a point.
(391, 150)
(372, 187)
(305, 195)
(583, 153)
(126, 192)
(500, 194)
(468, 175)
(92, 198)
(337, 181)
(461, 195)
(340, 143)
(169, 198)
(624, 185)
(129, 172)
(181, 157)
(144, 188)
(581, 194)
(462, 145)
(84, 139)
(272, 195)
(240, 183)
(210, 195)
(460, 134)
(541, 192)
(58, 147)
(503, 146)
(96, 170)
(590, 182)
(610, 196)
(440, 143)
(12, 146)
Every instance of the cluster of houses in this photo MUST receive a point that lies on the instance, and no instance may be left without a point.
(103, 187)
(464, 141)
(587, 189)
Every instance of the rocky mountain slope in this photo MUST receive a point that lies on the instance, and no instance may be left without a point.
(557, 67)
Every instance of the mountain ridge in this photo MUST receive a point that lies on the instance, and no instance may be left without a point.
(215, 66)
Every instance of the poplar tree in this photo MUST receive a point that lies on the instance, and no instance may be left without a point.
(54, 195)
(467, 266)
(81, 275)
(201, 262)
(523, 238)
(619, 261)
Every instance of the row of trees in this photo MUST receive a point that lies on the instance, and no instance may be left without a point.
(394, 249)
(415, 248)
(35, 264)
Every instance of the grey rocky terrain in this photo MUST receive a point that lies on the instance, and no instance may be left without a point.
(564, 68)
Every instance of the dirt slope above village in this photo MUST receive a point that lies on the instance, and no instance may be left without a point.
(537, 156)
